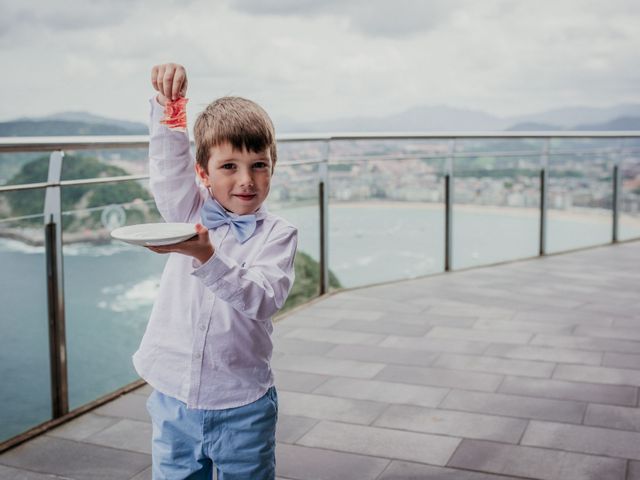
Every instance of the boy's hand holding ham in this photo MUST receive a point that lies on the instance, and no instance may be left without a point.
(198, 247)
(170, 81)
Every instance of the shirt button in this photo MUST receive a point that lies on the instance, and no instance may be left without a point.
(198, 355)
(202, 327)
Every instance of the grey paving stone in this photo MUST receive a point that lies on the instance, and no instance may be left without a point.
(472, 310)
(568, 318)
(383, 327)
(82, 427)
(515, 406)
(495, 365)
(126, 435)
(634, 471)
(143, 475)
(440, 377)
(335, 336)
(583, 439)
(487, 336)
(398, 470)
(608, 332)
(301, 347)
(9, 473)
(370, 353)
(381, 442)
(378, 305)
(303, 463)
(562, 390)
(622, 418)
(431, 319)
(80, 461)
(521, 326)
(310, 321)
(587, 343)
(329, 408)
(434, 344)
(386, 392)
(297, 381)
(336, 314)
(537, 463)
(548, 354)
(604, 375)
(126, 406)
(144, 390)
(290, 428)
(327, 366)
(621, 360)
(452, 423)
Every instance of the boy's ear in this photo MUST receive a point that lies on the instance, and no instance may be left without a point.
(202, 175)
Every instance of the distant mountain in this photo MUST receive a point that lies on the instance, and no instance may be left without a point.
(568, 117)
(442, 118)
(621, 123)
(86, 117)
(437, 118)
(617, 124)
(533, 127)
(70, 123)
(36, 128)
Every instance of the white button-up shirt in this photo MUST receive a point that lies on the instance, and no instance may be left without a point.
(208, 340)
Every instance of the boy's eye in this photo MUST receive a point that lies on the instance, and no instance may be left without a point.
(228, 166)
(260, 165)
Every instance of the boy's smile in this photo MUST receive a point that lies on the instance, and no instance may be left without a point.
(238, 179)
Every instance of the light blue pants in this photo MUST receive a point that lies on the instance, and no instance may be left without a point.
(188, 442)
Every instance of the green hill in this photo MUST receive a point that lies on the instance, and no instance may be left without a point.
(81, 197)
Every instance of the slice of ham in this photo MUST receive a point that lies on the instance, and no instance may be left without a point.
(175, 114)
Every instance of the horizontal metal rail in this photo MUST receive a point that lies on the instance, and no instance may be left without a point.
(39, 144)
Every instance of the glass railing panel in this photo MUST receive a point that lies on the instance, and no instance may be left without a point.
(496, 197)
(579, 193)
(386, 210)
(295, 197)
(25, 396)
(105, 163)
(629, 215)
(109, 286)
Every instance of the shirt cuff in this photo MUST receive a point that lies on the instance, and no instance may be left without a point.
(212, 273)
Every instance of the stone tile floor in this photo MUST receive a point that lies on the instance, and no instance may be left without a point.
(529, 369)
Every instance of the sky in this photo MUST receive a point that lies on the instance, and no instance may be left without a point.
(308, 60)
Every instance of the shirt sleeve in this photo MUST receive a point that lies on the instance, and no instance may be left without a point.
(261, 289)
(172, 176)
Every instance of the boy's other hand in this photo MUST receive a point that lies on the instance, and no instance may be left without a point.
(170, 80)
(198, 247)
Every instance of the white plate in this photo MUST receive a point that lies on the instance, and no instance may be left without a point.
(153, 234)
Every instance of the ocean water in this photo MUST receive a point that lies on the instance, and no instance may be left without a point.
(109, 289)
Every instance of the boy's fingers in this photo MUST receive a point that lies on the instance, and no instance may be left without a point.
(179, 83)
(167, 81)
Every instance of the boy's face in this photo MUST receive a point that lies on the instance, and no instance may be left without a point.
(239, 180)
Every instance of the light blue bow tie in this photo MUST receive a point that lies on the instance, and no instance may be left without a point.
(213, 215)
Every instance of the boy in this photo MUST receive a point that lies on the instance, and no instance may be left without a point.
(207, 347)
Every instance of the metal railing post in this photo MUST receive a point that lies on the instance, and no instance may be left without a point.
(544, 177)
(616, 202)
(448, 208)
(323, 192)
(55, 289)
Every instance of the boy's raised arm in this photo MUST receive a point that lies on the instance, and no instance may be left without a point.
(171, 165)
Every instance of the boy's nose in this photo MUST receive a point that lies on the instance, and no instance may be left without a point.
(246, 179)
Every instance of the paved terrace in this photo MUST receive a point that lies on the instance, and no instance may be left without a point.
(523, 370)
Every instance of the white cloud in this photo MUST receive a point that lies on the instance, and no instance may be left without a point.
(322, 59)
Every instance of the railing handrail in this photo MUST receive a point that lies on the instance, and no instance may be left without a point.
(36, 144)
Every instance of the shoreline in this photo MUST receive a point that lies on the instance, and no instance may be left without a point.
(34, 237)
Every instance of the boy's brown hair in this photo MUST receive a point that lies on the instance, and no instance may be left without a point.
(241, 122)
